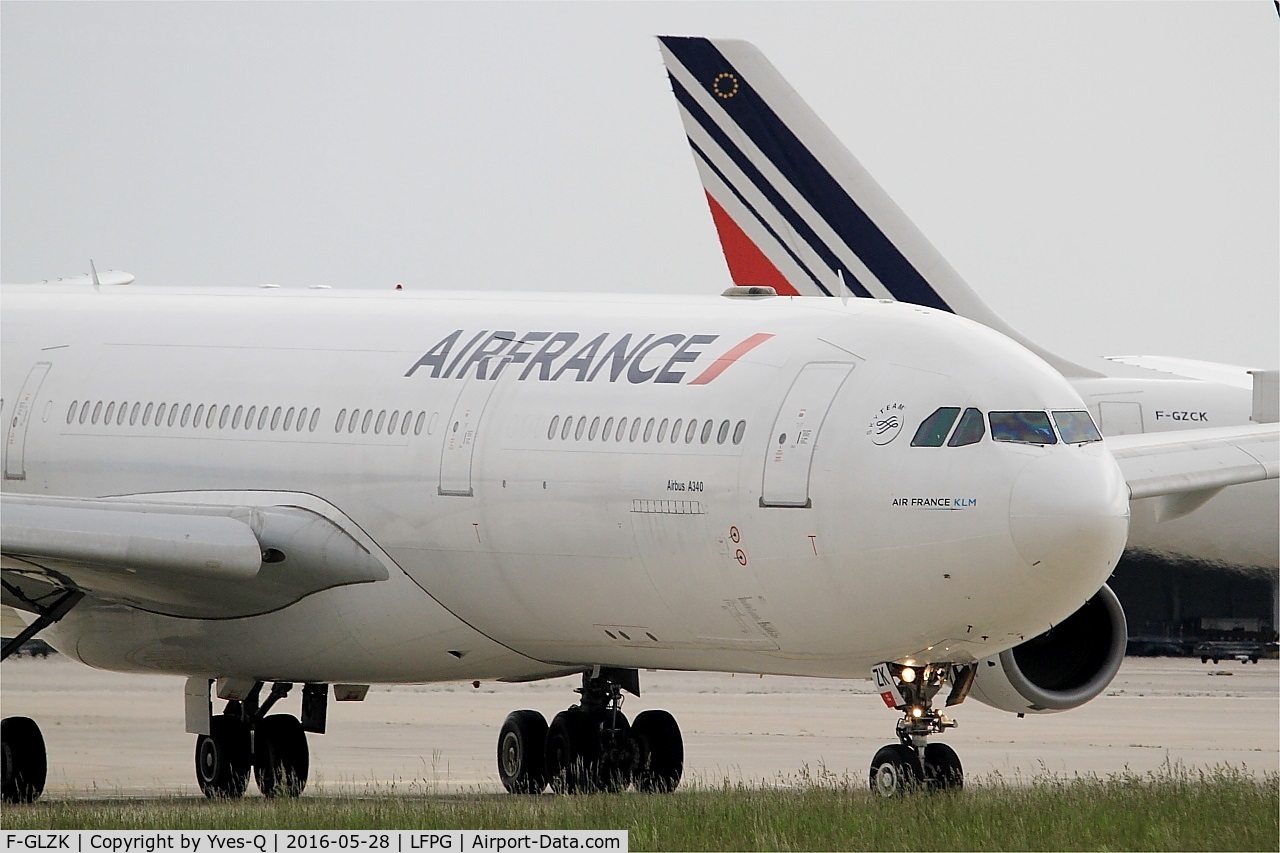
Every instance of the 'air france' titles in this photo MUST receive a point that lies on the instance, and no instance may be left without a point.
(552, 356)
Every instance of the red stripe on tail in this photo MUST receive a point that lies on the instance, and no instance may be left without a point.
(747, 264)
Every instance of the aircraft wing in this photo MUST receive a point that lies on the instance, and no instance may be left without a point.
(1185, 468)
(180, 559)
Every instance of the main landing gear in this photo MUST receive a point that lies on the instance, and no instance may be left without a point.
(591, 746)
(914, 763)
(244, 737)
(22, 745)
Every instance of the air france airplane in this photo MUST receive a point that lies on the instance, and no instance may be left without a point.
(268, 489)
(796, 211)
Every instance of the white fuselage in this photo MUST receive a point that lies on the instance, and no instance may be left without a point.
(528, 525)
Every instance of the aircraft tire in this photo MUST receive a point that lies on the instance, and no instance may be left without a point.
(222, 758)
(522, 750)
(280, 758)
(942, 768)
(573, 752)
(894, 771)
(659, 751)
(25, 762)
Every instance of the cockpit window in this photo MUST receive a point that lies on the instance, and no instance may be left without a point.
(933, 430)
(1076, 427)
(970, 431)
(1022, 427)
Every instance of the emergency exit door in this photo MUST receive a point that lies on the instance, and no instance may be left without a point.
(460, 435)
(16, 442)
(795, 433)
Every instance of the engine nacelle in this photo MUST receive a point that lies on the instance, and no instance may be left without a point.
(1062, 668)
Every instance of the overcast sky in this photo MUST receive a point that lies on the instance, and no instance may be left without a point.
(1106, 175)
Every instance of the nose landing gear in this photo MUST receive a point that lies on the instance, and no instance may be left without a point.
(914, 763)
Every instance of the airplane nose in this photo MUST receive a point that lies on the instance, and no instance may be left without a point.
(1069, 512)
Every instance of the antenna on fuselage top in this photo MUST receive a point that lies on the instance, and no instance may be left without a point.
(97, 285)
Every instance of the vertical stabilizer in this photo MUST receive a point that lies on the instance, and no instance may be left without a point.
(794, 209)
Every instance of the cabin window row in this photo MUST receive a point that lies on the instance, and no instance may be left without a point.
(593, 428)
(193, 415)
(380, 422)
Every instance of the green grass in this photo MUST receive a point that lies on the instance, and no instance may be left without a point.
(1170, 809)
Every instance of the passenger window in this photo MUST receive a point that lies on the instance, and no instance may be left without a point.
(235, 418)
(595, 428)
(133, 414)
(970, 431)
(622, 428)
(1076, 427)
(395, 419)
(262, 418)
(417, 425)
(124, 409)
(146, 413)
(739, 431)
(224, 417)
(315, 419)
(567, 428)
(364, 424)
(608, 429)
(551, 430)
(382, 417)
(249, 416)
(582, 427)
(635, 429)
(354, 420)
(690, 431)
(675, 430)
(97, 411)
(275, 418)
(111, 410)
(84, 411)
(1022, 427)
(933, 429)
(186, 414)
(199, 416)
(404, 425)
(288, 419)
(662, 430)
(706, 430)
(71, 412)
(173, 413)
(213, 412)
(723, 435)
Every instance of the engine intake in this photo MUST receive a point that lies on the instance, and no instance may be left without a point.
(1062, 668)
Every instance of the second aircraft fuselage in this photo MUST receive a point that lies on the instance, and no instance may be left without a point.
(553, 481)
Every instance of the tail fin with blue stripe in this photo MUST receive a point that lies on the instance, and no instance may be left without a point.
(794, 209)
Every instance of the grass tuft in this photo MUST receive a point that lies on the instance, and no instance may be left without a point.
(1173, 808)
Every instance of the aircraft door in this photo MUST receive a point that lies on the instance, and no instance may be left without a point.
(15, 445)
(1120, 418)
(795, 433)
(461, 433)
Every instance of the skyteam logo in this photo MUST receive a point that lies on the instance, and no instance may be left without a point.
(571, 356)
(886, 424)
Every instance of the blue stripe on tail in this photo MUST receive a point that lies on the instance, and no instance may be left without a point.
(772, 136)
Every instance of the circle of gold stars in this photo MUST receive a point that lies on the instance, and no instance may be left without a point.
(724, 76)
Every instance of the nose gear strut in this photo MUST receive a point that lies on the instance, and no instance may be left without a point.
(914, 762)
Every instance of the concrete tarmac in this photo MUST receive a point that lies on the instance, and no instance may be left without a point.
(111, 735)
